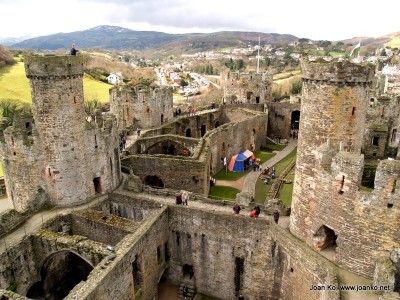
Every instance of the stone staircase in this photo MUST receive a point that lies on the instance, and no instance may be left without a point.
(191, 291)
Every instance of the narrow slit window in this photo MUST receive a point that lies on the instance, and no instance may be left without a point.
(353, 111)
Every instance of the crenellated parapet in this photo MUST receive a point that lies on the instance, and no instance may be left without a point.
(52, 66)
(248, 87)
(337, 72)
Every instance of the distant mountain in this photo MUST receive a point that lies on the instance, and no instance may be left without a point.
(196, 42)
(8, 41)
(119, 38)
(114, 37)
(105, 37)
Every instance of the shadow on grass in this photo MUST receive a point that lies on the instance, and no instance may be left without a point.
(223, 193)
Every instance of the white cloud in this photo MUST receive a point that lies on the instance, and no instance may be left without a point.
(333, 21)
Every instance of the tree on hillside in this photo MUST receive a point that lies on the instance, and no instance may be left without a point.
(6, 57)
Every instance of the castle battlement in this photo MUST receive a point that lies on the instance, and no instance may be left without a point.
(54, 66)
(337, 72)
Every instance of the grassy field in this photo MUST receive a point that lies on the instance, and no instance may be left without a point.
(285, 75)
(223, 192)
(15, 85)
(286, 191)
(262, 189)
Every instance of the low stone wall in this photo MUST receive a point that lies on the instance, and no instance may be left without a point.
(298, 269)
(116, 277)
(9, 220)
(229, 253)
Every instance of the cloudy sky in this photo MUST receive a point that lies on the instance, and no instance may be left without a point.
(314, 19)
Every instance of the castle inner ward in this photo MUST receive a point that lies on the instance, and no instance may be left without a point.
(117, 233)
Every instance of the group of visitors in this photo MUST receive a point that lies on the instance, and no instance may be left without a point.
(177, 112)
(255, 212)
(182, 198)
(191, 111)
(212, 181)
(269, 175)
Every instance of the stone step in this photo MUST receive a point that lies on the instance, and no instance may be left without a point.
(191, 291)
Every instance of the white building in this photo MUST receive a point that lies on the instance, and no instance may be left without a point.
(115, 78)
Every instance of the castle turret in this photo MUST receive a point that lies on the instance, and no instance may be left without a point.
(333, 107)
(59, 113)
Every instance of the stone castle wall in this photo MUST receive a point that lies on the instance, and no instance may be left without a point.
(280, 118)
(330, 166)
(116, 278)
(247, 130)
(55, 157)
(142, 107)
(381, 127)
(230, 139)
(248, 88)
(331, 109)
(59, 114)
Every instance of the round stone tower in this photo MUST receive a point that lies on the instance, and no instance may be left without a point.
(59, 114)
(333, 108)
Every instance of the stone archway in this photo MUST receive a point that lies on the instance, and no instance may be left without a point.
(60, 273)
(202, 130)
(188, 132)
(154, 181)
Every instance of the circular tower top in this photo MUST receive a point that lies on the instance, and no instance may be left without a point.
(337, 71)
(52, 65)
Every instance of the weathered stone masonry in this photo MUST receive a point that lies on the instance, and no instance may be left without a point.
(58, 157)
(330, 166)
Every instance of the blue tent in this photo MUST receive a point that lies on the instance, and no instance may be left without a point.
(237, 161)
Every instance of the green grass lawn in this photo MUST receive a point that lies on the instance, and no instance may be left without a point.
(223, 192)
(262, 189)
(229, 175)
(286, 191)
(1, 169)
(276, 147)
(15, 85)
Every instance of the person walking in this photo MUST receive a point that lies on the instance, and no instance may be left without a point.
(276, 216)
(185, 197)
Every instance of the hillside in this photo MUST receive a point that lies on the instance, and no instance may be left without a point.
(104, 37)
(224, 39)
(113, 37)
(389, 40)
(15, 85)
